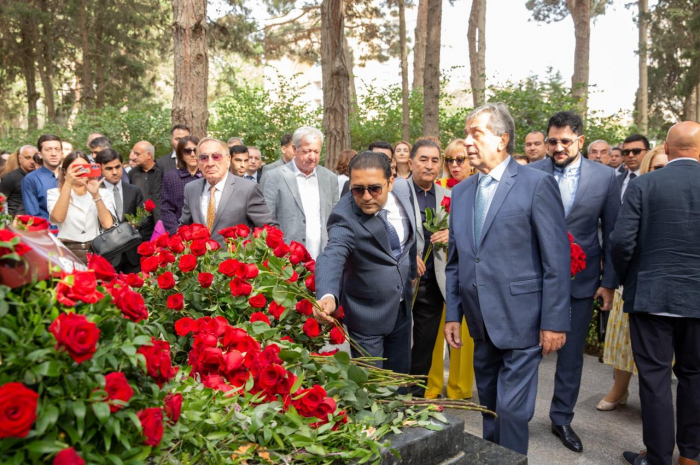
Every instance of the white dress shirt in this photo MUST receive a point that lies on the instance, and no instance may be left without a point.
(626, 182)
(110, 187)
(496, 174)
(81, 223)
(342, 179)
(397, 217)
(311, 201)
(204, 199)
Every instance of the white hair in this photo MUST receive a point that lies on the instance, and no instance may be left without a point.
(25, 147)
(306, 132)
(149, 148)
(600, 141)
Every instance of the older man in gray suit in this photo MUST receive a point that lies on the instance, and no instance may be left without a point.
(370, 262)
(235, 200)
(302, 194)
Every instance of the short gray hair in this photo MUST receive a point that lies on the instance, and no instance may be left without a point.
(25, 147)
(149, 148)
(500, 122)
(306, 132)
(233, 139)
(211, 139)
(600, 141)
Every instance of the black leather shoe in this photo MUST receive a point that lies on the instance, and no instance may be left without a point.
(633, 458)
(568, 437)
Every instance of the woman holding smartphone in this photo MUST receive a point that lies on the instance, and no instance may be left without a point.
(78, 206)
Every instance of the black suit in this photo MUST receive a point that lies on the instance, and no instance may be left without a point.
(167, 163)
(128, 262)
(656, 254)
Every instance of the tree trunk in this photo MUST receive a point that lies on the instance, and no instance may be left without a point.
(476, 36)
(690, 104)
(191, 65)
(419, 44)
(406, 115)
(643, 92)
(581, 13)
(45, 60)
(431, 80)
(101, 49)
(350, 60)
(335, 81)
(88, 91)
(29, 73)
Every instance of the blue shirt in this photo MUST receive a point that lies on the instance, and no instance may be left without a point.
(34, 188)
(568, 179)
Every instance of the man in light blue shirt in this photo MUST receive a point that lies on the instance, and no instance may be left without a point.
(38, 182)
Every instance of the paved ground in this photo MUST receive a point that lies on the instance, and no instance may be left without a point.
(605, 435)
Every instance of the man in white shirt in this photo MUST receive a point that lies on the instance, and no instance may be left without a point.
(302, 194)
(633, 150)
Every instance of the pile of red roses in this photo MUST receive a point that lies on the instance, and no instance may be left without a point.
(17, 410)
(578, 257)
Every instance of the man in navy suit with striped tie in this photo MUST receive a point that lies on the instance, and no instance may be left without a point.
(369, 264)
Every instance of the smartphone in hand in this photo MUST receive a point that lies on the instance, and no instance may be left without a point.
(92, 170)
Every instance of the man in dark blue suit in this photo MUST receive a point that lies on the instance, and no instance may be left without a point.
(656, 253)
(508, 273)
(591, 196)
(369, 263)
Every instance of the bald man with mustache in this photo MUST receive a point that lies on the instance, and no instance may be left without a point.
(656, 253)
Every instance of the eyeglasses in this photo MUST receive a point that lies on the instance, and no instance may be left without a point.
(566, 143)
(374, 190)
(459, 160)
(217, 157)
(626, 152)
(189, 151)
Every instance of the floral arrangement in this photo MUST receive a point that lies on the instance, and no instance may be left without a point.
(141, 214)
(578, 257)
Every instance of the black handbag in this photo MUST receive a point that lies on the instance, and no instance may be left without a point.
(116, 240)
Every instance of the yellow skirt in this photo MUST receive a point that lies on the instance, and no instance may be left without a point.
(461, 378)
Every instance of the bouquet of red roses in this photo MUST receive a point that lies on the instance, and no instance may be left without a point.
(578, 257)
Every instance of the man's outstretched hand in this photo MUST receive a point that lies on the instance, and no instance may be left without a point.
(327, 305)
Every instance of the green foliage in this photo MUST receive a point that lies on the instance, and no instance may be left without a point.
(260, 117)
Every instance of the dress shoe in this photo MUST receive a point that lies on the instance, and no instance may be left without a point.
(568, 437)
(606, 406)
(633, 458)
(685, 461)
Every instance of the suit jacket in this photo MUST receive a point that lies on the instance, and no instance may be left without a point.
(273, 165)
(597, 200)
(359, 269)
(167, 163)
(132, 200)
(518, 281)
(655, 248)
(241, 202)
(281, 193)
(439, 257)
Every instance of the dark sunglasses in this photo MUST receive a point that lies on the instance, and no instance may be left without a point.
(566, 143)
(189, 151)
(636, 152)
(217, 157)
(459, 160)
(374, 190)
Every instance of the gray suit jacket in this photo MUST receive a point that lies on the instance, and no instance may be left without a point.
(359, 269)
(281, 193)
(439, 257)
(241, 202)
(273, 165)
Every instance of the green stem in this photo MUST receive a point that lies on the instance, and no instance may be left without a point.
(415, 288)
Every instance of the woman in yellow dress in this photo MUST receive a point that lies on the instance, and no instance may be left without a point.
(460, 381)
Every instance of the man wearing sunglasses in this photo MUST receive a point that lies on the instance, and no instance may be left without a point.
(507, 273)
(220, 199)
(370, 262)
(633, 150)
(590, 196)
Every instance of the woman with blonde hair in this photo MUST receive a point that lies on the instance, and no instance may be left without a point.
(456, 166)
(402, 153)
(655, 159)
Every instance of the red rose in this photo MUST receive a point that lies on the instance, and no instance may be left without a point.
(339, 313)
(257, 301)
(185, 326)
(187, 263)
(305, 307)
(213, 245)
(149, 264)
(232, 361)
(19, 248)
(131, 304)
(165, 257)
(259, 316)
(452, 182)
(276, 310)
(78, 286)
(337, 336)
(198, 247)
(176, 245)
(274, 236)
(102, 268)
(173, 406)
(151, 425)
(117, 388)
(32, 223)
(134, 280)
(162, 240)
(310, 265)
(326, 407)
(158, 362)
(185, 232)
(231, 268)
(17, 410)
(240, 287)
(270, 376)
(176, 302)
(446, 201)
(205, 279)
(242, 230)
(76, 335)
(281, 250)
(146, 249)
(210, 360)
(251, 271)
(68, 457)
(199, 231)
(288, 339)
(149, 206)
(166, 281)
(311, 328)
(298, 253)
(310, 283)
(294, 278)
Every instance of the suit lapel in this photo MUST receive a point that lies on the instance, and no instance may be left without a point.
(405, 201)
(225, 198)
(196, 203)
(290, 179)
(127, 198)
(504, 186)
(416, 207)
(470, 195)
(583, 181)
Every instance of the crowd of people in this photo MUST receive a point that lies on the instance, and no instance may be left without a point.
(494, 287)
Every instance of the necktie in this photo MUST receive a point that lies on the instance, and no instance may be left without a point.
(564, 179)
(211, 209)
(118, 205)
(391, 233)
(480, 208)
(632, 176)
